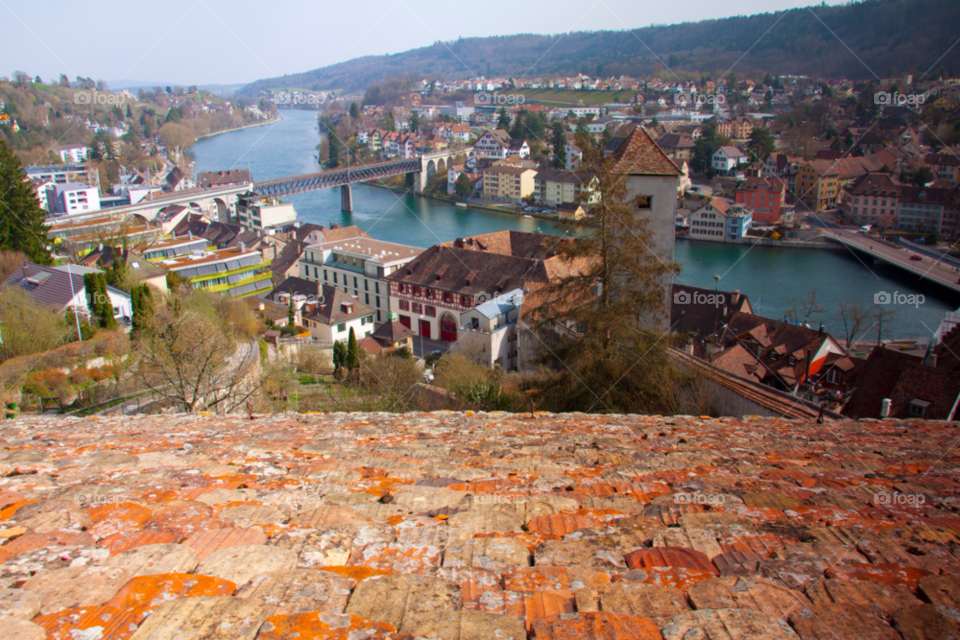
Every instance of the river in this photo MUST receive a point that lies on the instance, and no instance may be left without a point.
(770, 276)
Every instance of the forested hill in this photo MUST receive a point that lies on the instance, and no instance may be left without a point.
(891, 37)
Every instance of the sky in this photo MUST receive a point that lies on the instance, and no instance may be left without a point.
(239, 41)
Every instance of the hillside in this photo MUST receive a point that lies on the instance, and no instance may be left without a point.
(889, 36)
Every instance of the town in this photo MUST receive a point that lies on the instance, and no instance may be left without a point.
(873, 173)
(386, 350)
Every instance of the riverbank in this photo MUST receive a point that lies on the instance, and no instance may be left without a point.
(767, 242)
(246, 126)
(471, 205)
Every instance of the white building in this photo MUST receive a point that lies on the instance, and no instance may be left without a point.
(488, 332)
(497, 143)
(72, 197)
(726, 159)
(62, 287)
(358, 266)
(260, 215)
(720, 221)
(72, 152)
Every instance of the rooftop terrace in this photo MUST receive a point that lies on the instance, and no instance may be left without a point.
(475, 526)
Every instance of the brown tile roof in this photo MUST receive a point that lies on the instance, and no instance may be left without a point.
(693, 310)
(902, 378)
(392, 331)
(211, 179)
(787, 340)
(345, 524)
(333, 308)
(639, 155)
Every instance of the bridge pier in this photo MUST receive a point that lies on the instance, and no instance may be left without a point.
(346, 198)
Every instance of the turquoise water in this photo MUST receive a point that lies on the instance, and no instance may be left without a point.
(770, 276)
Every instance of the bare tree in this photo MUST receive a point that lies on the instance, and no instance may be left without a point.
(854, 316)
(10, 261)
(799, 311)
(187, 358)
(21, 78)
(177, 136)
(391, 377)
(883, 315)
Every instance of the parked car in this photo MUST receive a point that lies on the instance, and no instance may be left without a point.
(916, 258)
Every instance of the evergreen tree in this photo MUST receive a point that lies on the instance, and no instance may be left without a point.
(291, 314)
(141, 299)
(414, 121)
(117, 272)
(333, 150)
(354, 111)
(338, 358)
(21, 218)
(389, 123)
(559, 140)
(761, 143)
(503, 120)
(352, 356)
(463, 188)
(173, 115)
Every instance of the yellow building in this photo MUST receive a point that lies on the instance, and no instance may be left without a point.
(508, 184)
(818, 185)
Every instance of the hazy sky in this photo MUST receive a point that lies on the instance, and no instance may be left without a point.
(238, 41)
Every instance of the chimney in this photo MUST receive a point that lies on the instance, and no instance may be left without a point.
(243, 247)
(26, 270)
(806, 375)
(820, 331)
(885, 408)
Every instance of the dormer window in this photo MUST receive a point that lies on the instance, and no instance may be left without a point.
(774, 355)
(791, 361)
(918, 408)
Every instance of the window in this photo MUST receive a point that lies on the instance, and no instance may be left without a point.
(376, 287)
(918, 408)
(431, 311)
(354, 282)
(834, 376)
(417, 307)
(341, 327)
(378, 302)
(366, 285)
(774, 355)
(334, 277)
(404, 305)
(366, 298)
